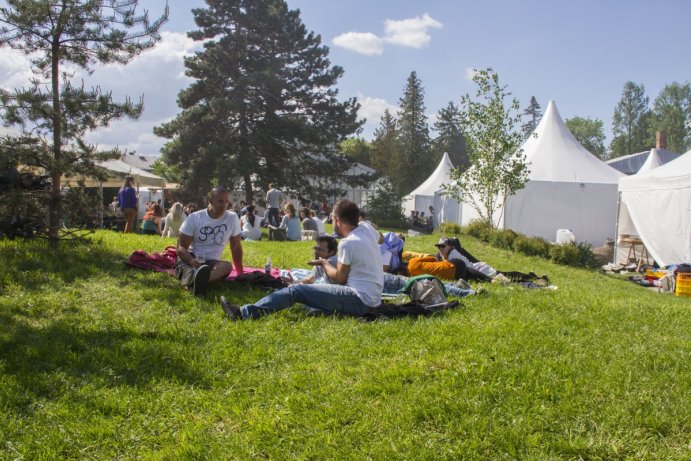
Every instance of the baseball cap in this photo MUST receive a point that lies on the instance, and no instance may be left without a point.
(443, 241)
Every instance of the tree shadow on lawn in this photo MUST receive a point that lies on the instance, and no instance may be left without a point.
(33, 265)
(48, 361)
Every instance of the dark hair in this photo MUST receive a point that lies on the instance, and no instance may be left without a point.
(306, 211)
(347, 211)
(361, 214)
(128, 179)
(250, 214)
(331, 243)
(217, 190)
(154, 210)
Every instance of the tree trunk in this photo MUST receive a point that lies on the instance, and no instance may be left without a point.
(56, 170)
(249, 193)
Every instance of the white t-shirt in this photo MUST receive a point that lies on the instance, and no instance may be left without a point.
(249, 231)
(320, 226)
(360, 250)
(454, 254)
(209, 236)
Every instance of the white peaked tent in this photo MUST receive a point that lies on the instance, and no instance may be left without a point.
(653, 161)
(567, 188)
(424, 195)
(656, 206)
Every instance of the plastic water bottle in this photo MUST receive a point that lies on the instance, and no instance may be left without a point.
(267, 268)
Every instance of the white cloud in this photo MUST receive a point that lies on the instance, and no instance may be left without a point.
(365, 43)
(470, 73)
(15, 70)
(412, 32)
(373, 108)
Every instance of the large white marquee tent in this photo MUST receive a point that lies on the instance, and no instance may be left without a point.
(655, 205)
(429, 193)
(567, 188)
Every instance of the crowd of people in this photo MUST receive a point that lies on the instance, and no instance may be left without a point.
(351, 269)
(418, 220)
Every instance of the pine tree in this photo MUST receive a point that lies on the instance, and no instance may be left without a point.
(533, 114)
(413, 162)
(385, 144)
(450, 138)
(263, 107)
(672, 114)
(631, 122)
(53, 112)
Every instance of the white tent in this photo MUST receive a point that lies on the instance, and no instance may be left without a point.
(567, 188)
(653, 161)
(117, 170)
(631, 164)
(424, 195)
(656, 206)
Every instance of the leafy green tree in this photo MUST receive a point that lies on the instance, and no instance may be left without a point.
(385, 145)
(385, 207)
(450, 138)
(533, 114)
(53, 113)
(497, 164)
(357, 150)
(413, 161)
(631, 122)
(672, 114)
(590, 133)
(263, 107)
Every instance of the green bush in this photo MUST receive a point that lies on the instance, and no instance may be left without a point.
(478, 229)
(502, 238)
(531, 246)
(565, 253)
(450, 228)
(586, 257)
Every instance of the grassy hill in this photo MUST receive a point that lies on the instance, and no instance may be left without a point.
(102, 362)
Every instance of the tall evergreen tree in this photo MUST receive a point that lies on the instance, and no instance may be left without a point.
(53, 113)
(385, 146)
(533, 115)
(413, 164)
(672, 114)
(630, 123)
(263, 107)
(450, 138)
(590, 133)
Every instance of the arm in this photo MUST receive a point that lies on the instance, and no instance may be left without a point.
(236, 252)
(158, 226)
(339, 273)
(166, 229)
(184, 242)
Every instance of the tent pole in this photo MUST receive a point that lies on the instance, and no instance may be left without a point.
(100, 202)
(616, 230)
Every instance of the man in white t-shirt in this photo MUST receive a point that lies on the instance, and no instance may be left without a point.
(201, 240)
(358, 275)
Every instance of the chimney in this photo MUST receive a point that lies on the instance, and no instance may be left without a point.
(660, 140)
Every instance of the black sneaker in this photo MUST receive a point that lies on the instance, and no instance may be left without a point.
(231, 310)
(201, 280)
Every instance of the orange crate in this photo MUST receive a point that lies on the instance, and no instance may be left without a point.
(683, 285)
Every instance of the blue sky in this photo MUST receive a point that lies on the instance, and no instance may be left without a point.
(577, 53)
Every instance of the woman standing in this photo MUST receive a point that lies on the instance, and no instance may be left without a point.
(173, 221)
(127, 197)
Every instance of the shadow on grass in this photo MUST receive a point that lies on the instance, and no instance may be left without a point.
(33, 264)
(47, 361)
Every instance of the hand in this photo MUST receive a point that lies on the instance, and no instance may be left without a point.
(288, 280)
(316, 262)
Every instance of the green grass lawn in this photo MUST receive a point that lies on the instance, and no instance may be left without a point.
(102, 362)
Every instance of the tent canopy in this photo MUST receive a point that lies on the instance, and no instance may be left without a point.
(423, 196)
(118, 170)
(567, 188)
(631, 164)
(657, 204)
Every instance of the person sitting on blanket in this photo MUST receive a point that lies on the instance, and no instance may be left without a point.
(202, 238)
(451, 263)
(325, 248)
(359, 276)
(391, 250)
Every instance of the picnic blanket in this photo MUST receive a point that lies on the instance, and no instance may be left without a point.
(165, 262)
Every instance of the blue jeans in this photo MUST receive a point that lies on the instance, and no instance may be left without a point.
(394, 284)
(328, 298)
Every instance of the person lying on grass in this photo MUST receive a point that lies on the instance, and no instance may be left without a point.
(201, 240)
(358, 275)
(449, 264)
